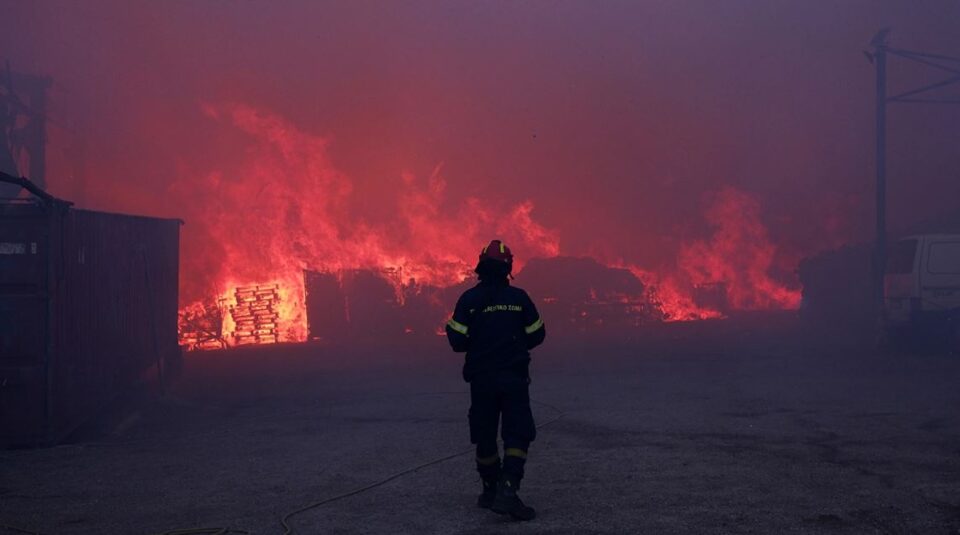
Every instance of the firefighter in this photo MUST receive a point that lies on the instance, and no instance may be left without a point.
(497, 325)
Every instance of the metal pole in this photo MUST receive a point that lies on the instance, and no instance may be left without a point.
(880, 60)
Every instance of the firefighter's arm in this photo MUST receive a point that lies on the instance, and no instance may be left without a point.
(534, 329)
(458, 331)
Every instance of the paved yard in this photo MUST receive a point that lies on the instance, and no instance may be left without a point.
(719, 428)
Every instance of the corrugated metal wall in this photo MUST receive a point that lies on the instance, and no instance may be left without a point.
(24, 262)
(103, 290)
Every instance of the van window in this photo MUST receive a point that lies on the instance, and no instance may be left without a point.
(944, 257)
(901, 255)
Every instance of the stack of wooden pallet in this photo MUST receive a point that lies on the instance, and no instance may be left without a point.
(255, 315)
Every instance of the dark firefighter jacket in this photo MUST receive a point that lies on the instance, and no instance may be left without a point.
(496, 325)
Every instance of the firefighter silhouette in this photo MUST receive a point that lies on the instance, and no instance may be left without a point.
(497, 325)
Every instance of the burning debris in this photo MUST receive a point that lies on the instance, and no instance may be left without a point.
(327, 270)
(586, 295)
(201, 325)
(739, 254)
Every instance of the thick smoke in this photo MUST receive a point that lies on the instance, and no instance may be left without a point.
(578, 128)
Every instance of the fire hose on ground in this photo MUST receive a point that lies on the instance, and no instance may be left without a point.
(285, 519)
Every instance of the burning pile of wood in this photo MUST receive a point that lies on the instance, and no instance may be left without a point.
(255, 316)
(201, 325)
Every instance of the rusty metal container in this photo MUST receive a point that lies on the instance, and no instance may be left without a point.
(88, 311)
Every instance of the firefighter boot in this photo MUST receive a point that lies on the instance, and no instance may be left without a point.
(488, 493)
(508, 502)
(489, 470)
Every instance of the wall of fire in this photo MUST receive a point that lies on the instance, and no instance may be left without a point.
(574, 295)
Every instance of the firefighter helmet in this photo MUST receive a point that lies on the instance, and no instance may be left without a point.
(497, 251)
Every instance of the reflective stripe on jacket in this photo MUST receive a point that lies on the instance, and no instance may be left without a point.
(496, 325)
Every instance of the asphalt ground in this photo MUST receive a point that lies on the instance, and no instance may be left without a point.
(755, 426)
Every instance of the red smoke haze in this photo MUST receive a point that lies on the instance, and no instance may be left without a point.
(695, 143)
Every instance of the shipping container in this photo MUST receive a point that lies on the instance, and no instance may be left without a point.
(88, 311)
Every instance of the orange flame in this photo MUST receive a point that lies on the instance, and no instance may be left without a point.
(739, 255)
(669, 295)
(285, 208)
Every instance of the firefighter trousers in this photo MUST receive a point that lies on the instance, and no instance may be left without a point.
(502, 400)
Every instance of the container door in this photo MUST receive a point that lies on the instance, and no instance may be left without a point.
(22, 285)
(23, 307)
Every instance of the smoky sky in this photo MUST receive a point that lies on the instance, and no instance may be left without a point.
(617, 119)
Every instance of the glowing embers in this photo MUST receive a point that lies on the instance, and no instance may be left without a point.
(256, 315)
(246, 313)
(201, 325)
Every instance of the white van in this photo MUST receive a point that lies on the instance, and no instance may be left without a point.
(922, 282)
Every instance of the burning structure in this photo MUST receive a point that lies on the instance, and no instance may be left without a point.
(362, 167)
(304, 268)
(390, 157)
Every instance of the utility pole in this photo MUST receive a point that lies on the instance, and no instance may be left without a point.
(880, 253)
(878, 57)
